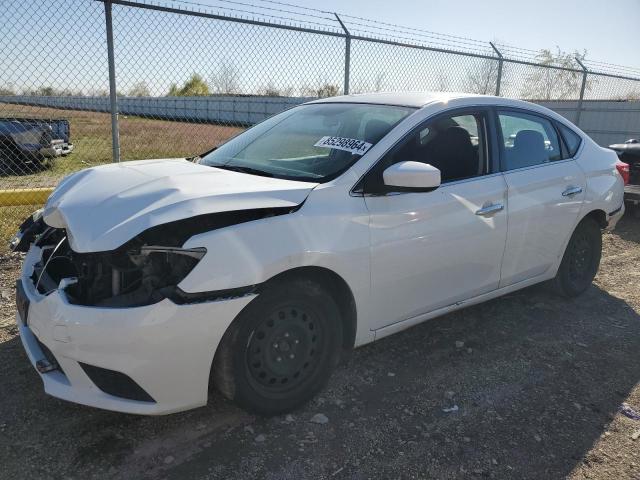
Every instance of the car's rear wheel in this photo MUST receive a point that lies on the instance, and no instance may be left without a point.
(581, 259)
(281, 349)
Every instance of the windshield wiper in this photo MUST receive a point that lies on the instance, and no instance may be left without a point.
(249, 170)
(197, 158)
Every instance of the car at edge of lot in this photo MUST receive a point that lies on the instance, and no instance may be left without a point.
(257, 266)
(629, 155)
(26, 143)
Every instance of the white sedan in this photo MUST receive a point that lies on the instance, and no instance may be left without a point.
(255, 267)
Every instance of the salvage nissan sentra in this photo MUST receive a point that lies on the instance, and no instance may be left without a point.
(256, 266)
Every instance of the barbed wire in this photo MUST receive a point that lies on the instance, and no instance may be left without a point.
(234, 2)
(254, 15)
(423, 42)
(275, 2)
(270, 11)
(308, 16)
(409, 31)
(402, 27)
(612, 67)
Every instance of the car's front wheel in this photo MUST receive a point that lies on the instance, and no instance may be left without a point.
(281, 349)
(581, 259)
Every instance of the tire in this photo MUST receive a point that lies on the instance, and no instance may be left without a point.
(581, 259)
(281, 349)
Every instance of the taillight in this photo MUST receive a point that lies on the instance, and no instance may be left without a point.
(623, 169)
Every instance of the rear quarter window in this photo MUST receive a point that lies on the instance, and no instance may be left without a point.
(571, 139)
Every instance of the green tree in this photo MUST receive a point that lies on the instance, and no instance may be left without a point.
(174, 91)
(195, 86)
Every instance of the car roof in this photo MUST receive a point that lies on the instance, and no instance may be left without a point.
(423, 99)
(405, 99)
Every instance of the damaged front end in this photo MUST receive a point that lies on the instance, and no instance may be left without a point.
(143, 271)
(130, 276)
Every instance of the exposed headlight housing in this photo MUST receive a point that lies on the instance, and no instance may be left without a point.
(134, 275)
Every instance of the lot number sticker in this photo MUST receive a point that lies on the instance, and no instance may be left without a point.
(357, 147)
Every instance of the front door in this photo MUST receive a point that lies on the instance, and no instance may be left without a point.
(430, 250)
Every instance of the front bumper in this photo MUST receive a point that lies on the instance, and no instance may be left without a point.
(166, 349)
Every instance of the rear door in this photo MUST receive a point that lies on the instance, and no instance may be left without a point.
(545, 191)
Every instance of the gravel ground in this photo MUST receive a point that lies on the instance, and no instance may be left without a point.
(536, 388)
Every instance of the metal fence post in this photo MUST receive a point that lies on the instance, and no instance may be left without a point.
(583, 87)
(500, 62)
(347, 55)
(113, 97)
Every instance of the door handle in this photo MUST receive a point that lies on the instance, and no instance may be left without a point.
(571, 191)
(489, 209)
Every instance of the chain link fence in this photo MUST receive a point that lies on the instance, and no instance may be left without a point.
(87, 82)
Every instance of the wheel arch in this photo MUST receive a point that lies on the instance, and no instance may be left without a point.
(336, 286)
(599, 216)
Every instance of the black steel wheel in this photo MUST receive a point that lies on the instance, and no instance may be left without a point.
(285, 348)
(581, 259)
(281, 349)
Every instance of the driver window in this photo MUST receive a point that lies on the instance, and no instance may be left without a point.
(453, 144)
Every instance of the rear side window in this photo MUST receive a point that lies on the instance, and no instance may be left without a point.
(571, 139)
(527, 140)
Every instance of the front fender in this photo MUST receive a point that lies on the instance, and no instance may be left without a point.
(328, 231)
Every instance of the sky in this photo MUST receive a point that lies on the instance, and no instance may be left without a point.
(607, 29)
(160, 48)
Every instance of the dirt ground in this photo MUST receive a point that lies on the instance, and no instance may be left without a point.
(538, 385)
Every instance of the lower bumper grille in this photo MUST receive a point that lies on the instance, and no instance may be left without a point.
(49, 363)
(116, 383)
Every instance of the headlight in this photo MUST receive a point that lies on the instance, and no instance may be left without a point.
(127, 277)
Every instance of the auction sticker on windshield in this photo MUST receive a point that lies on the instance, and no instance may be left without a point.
(357, 147)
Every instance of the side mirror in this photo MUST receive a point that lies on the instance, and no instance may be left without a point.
(411, 177)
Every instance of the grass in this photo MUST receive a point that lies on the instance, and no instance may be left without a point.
(140, 138)
(10, 220)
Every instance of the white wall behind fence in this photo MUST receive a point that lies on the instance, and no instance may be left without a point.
(606, 122)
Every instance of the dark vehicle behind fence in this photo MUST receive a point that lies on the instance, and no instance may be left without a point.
(26, 144)
(629, 153)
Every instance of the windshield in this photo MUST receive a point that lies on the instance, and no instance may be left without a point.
(313, 143)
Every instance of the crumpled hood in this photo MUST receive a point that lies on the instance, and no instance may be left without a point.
(104, 207)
